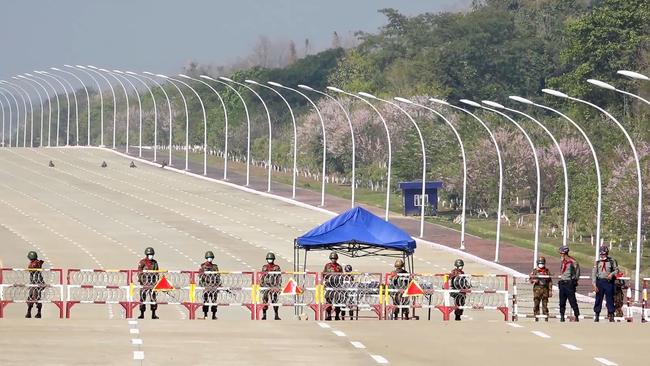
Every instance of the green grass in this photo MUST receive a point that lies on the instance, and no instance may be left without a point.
(483, 228)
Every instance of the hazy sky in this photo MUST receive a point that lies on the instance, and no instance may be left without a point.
(163, 35)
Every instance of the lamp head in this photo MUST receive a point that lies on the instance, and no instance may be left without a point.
(104, 70)
(206, 77)
(601, 84)
(54, 68)
(148, 73)
(469, 102)
(225, 79)
(633, 75)
(28, 74)
(66, 65)
(493, 104)
(403, 100)
(334, 89)
(118, 72)
(251, 81)
(520, 99)
(305, 87)
(131, 73)
(367, 95)
(162, 76)
(555, 93)
(91, 67)
(275, 84)
(184, 76)
(439, 101)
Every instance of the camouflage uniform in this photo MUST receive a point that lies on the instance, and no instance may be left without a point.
(332, 281)
(619, 295)
(458, 282)
(349, 297)
(400, 282)
(148, 281)
(542, 288)
(37, 287)
(210, 283)
(272, 282)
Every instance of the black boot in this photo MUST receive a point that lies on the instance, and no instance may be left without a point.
(277, 317)
(396, 314)
(561, 318)
(405, 314)
(263, 314)
(153, 314)
(597, 317)
(610, 316)
(141, 314)
(29, 311)
(457, 317)
(536, 318)
(328, 313)
(338, 314)
(214, 315)
(38, 314)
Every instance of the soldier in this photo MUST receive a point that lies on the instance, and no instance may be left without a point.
(148, 281)
(458, 282)
(272, 282)
(400, 281)
(104, 165)
(331, 281)
(603, 277)
(132, 165)
(540, 277)
(51, 164)
(210, 283)
(619, 294)
(569, 275)
(350, 300)
(163, 164)
(37, 284)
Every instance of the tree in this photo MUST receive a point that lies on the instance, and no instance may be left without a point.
(293, 55)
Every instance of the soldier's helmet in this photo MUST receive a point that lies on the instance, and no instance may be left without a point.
(209, 254)
(604, 250)
(348, 268)
(458, 263)
(270, 256)
(541, 260)
(149, 251)
(399, 263)
(564, 249)
(334, 255)
(32, 255)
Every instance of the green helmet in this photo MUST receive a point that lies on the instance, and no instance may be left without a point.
(459, 263)
(541, 260)
(32, 255)
(334, 255)
(149, 251)
(209, 254)
(270, 256)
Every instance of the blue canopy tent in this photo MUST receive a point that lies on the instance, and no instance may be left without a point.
(356, 233)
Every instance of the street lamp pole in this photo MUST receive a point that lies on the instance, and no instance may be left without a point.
(537, 170)
(101, 102)
(87, 103)
(322, 123)
(58, 106)
(40, 98)
(17, 111)
(562, 161)
(268, 119)
(390, 155)
(76, 106)
(20, 92)
(295, 133)
(95, 70)
(126, 98)
(155, 108)
(137, 94)
(67, 98)
(49, 104)
(155, 126)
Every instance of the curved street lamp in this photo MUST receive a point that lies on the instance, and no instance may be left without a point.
(49, 104)
(67, 99)
(462, 151)
(390, 154)
(155, 107)
(95, 70)
(17, 110)
(87, 102)
(2, 106)
(322, 123)
(137, 94)
(155, 122)
(562, 161)
(58, 106)
(295, 134)
(40, 98)
(101, 102)
(268, 119)
(126, 99)
(537, 170)
(248, 126)
(225, 112)
(20, 91)
(76, 106)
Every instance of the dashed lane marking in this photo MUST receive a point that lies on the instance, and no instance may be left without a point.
(605, 361)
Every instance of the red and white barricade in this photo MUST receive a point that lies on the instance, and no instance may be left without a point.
(477, 292)
(296, 289)
(645, 312)
(160, 287)
(97, 286)
(31, 286)
(222, 289)
(351, 293)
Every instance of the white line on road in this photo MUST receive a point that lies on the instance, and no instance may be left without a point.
(324, 325)
(338, 333)
(605, 361)
(540, 334)
(515, 325)
(133, 322)
(134, 331)
(136, 341)
(357, 344)
(571, 347)
(379, 359)
(138, 355)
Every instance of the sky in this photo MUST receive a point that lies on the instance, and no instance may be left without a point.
(164, 35)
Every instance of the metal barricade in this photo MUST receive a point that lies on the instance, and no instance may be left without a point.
(351, 292)
(477, 292)
(270, 286)
(222, 289)
(143, 292)
(645, 312)
(31, 286)
(97, 286)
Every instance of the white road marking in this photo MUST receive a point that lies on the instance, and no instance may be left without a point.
(357, 344)
(138, 355)
(515, 325)
(571, 347)
(134, 331)
(540, 334)
(605, 361)
(379, 359)
(324, 325)
(136, 341)
(133, 322)
(338, 333)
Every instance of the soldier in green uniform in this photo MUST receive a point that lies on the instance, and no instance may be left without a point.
(37, 284)
(540, 277)
(271, 281)
(399, 282)
(148, 280)
(210, 281)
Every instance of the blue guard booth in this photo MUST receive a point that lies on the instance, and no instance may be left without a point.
(412, 196)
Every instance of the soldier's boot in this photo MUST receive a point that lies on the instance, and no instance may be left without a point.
(337, 311)
(343, 315)
(351, 315)
(264, 314)
(610, 316)
(328, 313)
(38, 310)
(214, 315)
(29, 310)
(405, 314)
(142, 308)
(275, 310)
(536, 317)
(205, 311)
(597, 317)
(457, 317)
(396, 314)
(153, 314)
(562, 318)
